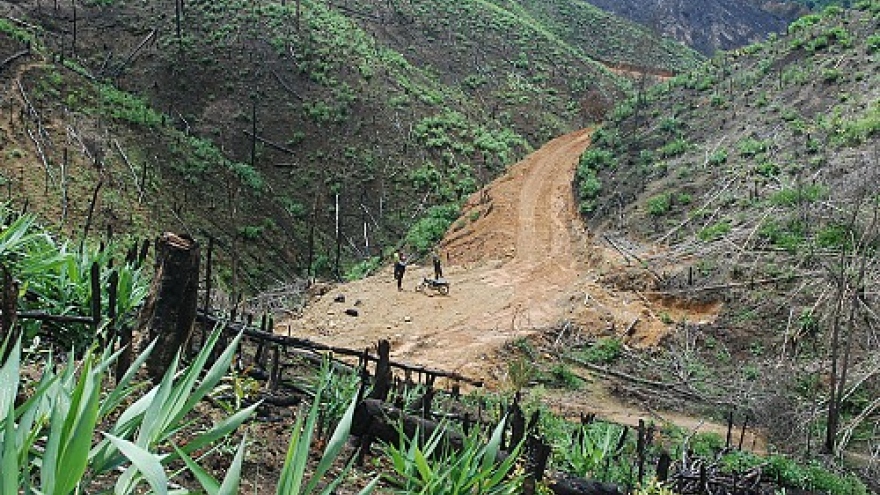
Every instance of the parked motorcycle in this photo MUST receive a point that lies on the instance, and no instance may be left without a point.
(436, 284)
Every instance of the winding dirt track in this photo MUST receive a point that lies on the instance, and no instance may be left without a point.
(521, 264)
(517, 268)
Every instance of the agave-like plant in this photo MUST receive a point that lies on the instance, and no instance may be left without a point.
(597, 453)
(423, 467)
(48, 442)
(58, 279)
(293, 474)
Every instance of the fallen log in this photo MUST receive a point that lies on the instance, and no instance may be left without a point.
(564, 484)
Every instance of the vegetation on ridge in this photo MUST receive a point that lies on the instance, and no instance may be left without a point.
(757, 172)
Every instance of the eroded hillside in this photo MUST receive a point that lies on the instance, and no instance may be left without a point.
(249, 122)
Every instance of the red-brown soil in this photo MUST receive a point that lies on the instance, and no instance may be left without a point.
(519, 261)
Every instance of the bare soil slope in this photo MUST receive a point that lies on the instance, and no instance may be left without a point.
(520, 264)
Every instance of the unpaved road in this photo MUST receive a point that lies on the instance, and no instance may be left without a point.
(520, 264)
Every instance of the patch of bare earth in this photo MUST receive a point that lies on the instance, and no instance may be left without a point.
(519, 262)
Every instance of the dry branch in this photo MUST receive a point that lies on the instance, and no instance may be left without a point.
(288, 88)
(42, 156)
(13, 58)
(267, 142)
(134, 176)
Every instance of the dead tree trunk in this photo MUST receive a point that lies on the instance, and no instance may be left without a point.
(8, 305)
(170, 309)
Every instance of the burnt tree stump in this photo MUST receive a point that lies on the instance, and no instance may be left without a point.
(170, 309)
(8, 307)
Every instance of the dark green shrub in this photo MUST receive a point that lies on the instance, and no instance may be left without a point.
(605, 351)
(430, 228)
(659, 204)
(713, 232)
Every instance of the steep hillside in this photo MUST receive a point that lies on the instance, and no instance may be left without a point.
(707, 25)
(757, 177)
(250, 121)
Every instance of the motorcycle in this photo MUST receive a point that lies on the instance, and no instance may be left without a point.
(436, 284)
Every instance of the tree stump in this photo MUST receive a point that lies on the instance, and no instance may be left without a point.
(170, 309)
(8, 307)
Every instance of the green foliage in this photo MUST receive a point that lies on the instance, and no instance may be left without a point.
(803, 23)
(859, 130)
(597, 159)
(562, 375)
(23, 36)
(811, 476)
(834, 236)
(673, 148)
(718, 157)
(200, 156)
(298, 462)
(599, 451)
(786, 235)
(67, 409)
(751, 147)
(660, 204)
(715, 231)
(428, 467)
(767, 169)
(793, 196)
(873, 43)
(832, 75)
(58, 279)
(589, 186)
(362, 269)
(429, 229)
(606, 350)
(125, 106)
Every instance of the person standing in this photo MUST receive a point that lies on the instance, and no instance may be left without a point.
(438, 270)
(399, 268)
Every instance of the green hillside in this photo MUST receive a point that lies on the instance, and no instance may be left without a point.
(245, 121)
(753, 181)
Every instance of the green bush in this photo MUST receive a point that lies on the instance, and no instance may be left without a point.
(713, 232)
(873, 43)
(606, 350)
(660, 204)
(58, 279)
(87, 435)
(423, 466)
(751, 147)
(718, 157)
(673, 148)
(597, 159)
(792, 196)
(125, 106)
(788, 236)
(362, 269)
(429, 229)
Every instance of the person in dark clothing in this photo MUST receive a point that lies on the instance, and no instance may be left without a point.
(399, 268)
(438, 270)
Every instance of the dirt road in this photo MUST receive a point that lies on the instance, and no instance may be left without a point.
(511, 271)
(521, 264)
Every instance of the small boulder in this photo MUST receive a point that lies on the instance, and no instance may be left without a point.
(351, 312)
(340, 298)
